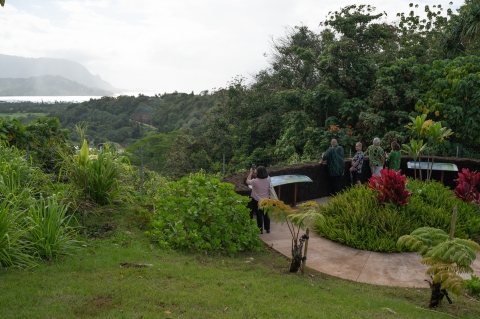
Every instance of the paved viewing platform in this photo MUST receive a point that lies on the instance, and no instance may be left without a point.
(326, 256)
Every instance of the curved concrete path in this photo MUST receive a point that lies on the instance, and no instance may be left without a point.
(385, 269)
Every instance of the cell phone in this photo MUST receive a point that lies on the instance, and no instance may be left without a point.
(253, 166)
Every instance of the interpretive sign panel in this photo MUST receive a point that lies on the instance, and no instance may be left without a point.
(289, 179)
(435, 167)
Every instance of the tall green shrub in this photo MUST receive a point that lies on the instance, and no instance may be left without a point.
(200, 213)
(98, 177)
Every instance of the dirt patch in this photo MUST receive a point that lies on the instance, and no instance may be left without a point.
(97, 306)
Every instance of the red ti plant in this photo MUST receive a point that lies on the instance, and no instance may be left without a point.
(466, 186)
(390, 187)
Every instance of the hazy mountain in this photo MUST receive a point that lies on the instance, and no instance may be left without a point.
(47, 85)
(19, 67)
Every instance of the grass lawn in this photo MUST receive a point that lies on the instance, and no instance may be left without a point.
(92, 284)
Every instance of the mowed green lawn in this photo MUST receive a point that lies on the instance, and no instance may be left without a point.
(92, 284)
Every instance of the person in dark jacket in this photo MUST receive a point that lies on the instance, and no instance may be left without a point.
(335, 165)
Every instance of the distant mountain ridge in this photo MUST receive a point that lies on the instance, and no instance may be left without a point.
(47, 85)
(20, 67)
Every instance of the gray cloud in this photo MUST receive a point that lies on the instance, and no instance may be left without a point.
(164, 45)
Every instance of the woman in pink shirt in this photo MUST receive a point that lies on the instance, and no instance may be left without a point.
(260, 189)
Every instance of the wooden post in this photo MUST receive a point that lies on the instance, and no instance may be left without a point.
(279, 191)
(304, 261)
(454, 221)
(295, 195)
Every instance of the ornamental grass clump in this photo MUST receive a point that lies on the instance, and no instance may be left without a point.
(51, 230)
(390, 187)
(357, 219)
(200, 213)
(14, 250)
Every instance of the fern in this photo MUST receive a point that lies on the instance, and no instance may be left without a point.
(446, 258)
(456, 251)
(421, 239)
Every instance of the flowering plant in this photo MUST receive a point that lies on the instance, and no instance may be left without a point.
(390, 187)
(467, 186)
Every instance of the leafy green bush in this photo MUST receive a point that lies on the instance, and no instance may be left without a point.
(355, 218)
(17, 177)
(201, 213)
(473, 286)
(50, 231)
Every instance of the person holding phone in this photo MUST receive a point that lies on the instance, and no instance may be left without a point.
(260, 190)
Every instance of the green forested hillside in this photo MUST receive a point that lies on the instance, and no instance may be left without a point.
(118, 119)
(107, 119)
(27, 112)
(180, 110)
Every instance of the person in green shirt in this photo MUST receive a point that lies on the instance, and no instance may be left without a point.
(376, 157)
(394, 157)
(335, 165)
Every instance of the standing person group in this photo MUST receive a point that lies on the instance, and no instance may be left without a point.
(377, 158)
(260, 190)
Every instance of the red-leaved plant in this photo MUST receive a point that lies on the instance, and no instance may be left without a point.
(466, 186)
(390, 187)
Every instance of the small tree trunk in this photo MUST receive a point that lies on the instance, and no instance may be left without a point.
(304, 259)
(437, 294)
(296, 258)
(420, 168)
(297, 253)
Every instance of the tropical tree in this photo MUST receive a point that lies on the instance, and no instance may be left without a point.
(436, 134)
(446, 256)
(418, 126)
(296, 219)
(463, 33)
(451, 93)
(421, 37)
(414, 150)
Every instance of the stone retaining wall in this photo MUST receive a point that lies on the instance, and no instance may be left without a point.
(319, 175)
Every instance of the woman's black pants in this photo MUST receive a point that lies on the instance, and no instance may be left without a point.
(263, 221)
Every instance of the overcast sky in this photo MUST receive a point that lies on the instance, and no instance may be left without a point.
(161, 46)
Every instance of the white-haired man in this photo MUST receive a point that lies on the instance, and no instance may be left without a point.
(376, 157)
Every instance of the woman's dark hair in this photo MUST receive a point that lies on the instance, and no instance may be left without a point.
(262, 172)
(395, 146)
